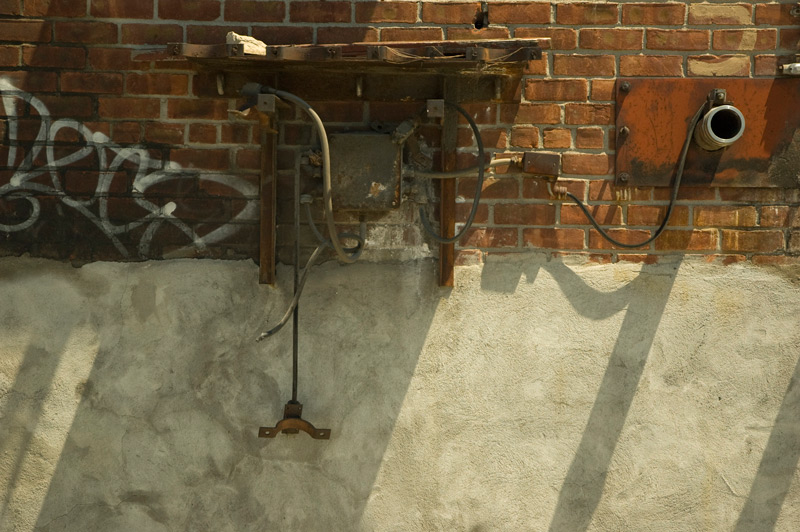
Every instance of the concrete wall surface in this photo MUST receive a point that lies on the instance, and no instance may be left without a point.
(535, 395)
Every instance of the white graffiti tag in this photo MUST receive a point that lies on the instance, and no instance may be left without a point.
(111, 157)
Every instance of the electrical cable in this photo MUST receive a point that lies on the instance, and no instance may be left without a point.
(479, 186)
(676, 185)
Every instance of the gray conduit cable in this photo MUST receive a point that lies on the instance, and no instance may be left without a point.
(425, 223)
(672, 199)
(326, 170)
(466, 172)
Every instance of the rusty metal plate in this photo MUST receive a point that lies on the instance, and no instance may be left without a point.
(654, 114)
(365, 171)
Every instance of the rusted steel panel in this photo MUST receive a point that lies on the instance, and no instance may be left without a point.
(653, 116)
(365, 171)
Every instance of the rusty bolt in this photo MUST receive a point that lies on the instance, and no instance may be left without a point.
(624, 176)
(625, 87)
(624, 131)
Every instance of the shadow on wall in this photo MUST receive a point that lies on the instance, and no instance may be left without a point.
(166, 416)
(778, 465)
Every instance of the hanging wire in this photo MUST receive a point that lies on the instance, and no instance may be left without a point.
(676, 185)
(478, 188)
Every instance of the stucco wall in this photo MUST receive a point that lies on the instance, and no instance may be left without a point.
(534, 395)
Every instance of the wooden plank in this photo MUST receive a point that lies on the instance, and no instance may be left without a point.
(267, 241)
(447, 190)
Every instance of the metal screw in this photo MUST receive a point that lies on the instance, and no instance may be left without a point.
(624, 176)
(625, 87)
(624, 131)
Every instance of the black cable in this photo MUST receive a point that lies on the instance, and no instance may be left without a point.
(479, 187)
(673, 197)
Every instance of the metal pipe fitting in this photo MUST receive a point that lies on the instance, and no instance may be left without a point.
(720, 127)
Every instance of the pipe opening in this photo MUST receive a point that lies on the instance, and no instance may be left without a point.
(726, 124)
(719, 128)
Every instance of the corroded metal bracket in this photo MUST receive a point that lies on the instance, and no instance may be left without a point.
(292, 423)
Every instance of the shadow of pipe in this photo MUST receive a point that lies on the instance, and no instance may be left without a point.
(778, 465)
(645, 297)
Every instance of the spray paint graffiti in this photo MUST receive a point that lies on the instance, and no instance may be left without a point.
(111, 157)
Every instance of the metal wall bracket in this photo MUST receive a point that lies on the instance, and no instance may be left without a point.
(292, 423)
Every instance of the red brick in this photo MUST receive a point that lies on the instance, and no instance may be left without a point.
(723, 216)
(346, 35)
(210, 109)
(612, 39)
(780, 216)
(489, 237)
(91, 82)
(371, 12)
(10, 7)
(161, 133)
(516, 12)
(790, 39)
(603, 89)
(174, 84)
(122, 8)
(584, 65)
(776, 260)
(248, 158)
(85, 182)
(213, 159)
(127, 132)
(117, 59)
(586, 163)
(794, 242)
(492, 138)
(722, 65)
(762, 241)
(524, 214)
(203, 133)
(252, 11)
(535, 67)
(589, 138)
(451, 13)
(525, 137)
(554, 238)
(530, 113)
(471, 34)
(638, 258)
(54, 8)
(604, 214)
(129, 108)
(32, 81)
(775, 14)
(24, 30)
(480, 113)
(697, 240)
(284, 34)
(151, 33)
(653, 14)
(557, 138)
(745, 39)
(61, 57)
(68, 106)
(9, 56)
(86, 32)
(678, 39)
(326, 12)
(560, 38)
(206, 34)
(653, 215)
(556, 89)
(766, 65)
(626, 236)
(589, 113)
(733, 14)
(468, 257)
(493, 188)
(333, 111)
(463, 210)
(412, 34)
(651, 65)
(586, 14)
(189, 9)
(751, 195)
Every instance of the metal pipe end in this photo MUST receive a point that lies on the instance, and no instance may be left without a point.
(720, 127)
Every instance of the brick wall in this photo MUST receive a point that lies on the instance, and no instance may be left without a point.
(109, 158)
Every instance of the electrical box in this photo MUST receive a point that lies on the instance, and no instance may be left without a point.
(365, 171)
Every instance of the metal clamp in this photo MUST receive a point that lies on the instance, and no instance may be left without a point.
(292, 423)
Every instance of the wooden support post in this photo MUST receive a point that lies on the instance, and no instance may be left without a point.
(447, 190)
(267, 242)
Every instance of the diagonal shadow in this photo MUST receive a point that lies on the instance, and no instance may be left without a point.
(777, 467)
(646, 297)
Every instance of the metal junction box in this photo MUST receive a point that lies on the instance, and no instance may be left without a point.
(365, 171)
